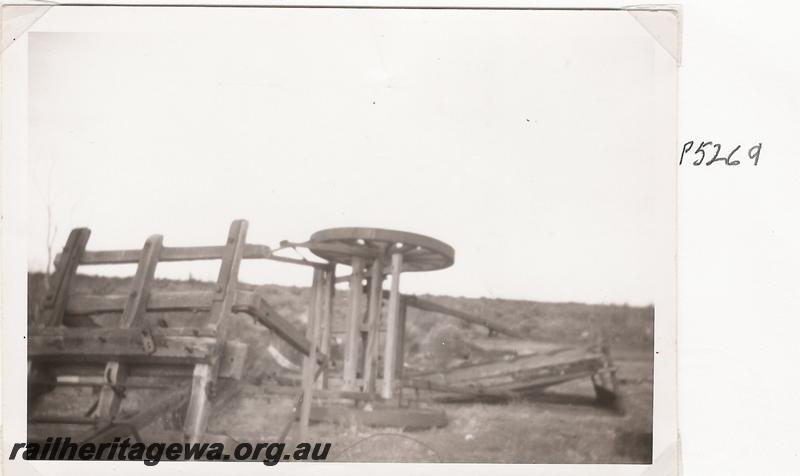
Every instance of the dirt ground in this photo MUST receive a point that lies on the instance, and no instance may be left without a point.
(569, 429)
(562, 426)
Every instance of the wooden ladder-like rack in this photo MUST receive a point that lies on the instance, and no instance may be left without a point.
(135, 351)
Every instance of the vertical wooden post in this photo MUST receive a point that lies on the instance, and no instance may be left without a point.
(309, 361)
(611, 371)
(373, 325)
(132, 316)
(401, 339)
(55, 301)
(136, 304)
(111, 398)
(351, 349)
(37, 373)
(228, 277)
(204, 375)
(196, 419)
(363, 329)
(392, 325)
(328, 293)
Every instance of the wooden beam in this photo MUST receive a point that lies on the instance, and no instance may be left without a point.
(252, 303)
(197, 412)
(301, 262)
(262, 390)
(228, 277)
(392, 328)
(326, 318)
(309, 364)
(609, 377)
(40, 381)
(99, 381)
(542, 382)
(132, 316)
(351, 350)
(234, 357)
(205, 375)
(122, 346)
(521, 368)
(100, 334)
(288, 425)
(476, 391)
(87, 304)
(430, 306)
(373, 326)
(401, 339)
(111, 397)
(188, 253)
(55, 301)
(172, 253)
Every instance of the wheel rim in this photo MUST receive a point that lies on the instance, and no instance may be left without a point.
(420, 252)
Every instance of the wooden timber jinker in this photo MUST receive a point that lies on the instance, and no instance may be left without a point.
(139, 340)
(373, 254)
(142, 339)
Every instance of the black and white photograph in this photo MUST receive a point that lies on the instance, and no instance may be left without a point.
(355, 235)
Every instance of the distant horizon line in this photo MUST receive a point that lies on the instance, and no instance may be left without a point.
(190, 279)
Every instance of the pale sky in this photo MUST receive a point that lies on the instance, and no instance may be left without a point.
(522, 140)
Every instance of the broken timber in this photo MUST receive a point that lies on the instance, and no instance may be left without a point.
(523, 375)
(491, 324)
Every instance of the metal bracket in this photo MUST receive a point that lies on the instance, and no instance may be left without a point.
(148, 343)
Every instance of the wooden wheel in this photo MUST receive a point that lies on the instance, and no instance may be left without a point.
(420, 252)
